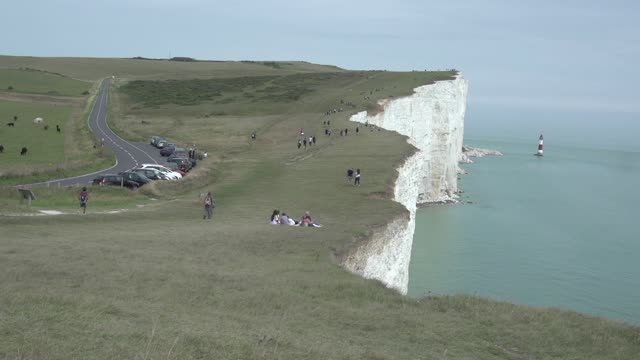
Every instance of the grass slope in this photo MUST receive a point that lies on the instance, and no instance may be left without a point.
(160, 282)
(41, 82)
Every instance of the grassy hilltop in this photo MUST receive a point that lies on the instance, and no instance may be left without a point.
(157, 281)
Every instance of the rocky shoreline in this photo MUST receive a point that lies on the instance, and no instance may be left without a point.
(469, 152)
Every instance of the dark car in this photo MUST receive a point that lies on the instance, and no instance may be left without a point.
(136, 177)
(181, 163)
(176, 155)
(151, 174)
(167, 150)
(115, 180)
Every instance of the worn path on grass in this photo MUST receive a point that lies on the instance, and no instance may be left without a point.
(128, 155)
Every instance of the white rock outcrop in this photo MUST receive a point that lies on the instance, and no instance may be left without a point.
(469, 152)
(433, 120)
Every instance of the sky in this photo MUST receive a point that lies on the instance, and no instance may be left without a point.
(561, 54)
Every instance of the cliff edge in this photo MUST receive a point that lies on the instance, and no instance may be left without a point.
(433, 120)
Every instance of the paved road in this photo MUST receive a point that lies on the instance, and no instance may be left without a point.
(128, 155)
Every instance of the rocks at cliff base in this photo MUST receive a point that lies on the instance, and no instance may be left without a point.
(469, 152)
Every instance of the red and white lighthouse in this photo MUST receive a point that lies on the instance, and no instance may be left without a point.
(540, 146)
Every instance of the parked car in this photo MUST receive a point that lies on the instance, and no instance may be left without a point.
(161, 143)
(155, 139)
(182, 163)
(174, 167)
(115, 180)
(167, 150)
(178, 153)
(151, 174)
(134, 176)
(173, 175)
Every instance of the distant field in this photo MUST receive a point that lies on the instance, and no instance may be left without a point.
(97, 68)
(190, 109)
(46, 147)
(353, 85)
(40, 82)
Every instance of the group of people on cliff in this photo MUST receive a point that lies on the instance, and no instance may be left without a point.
(278, 218)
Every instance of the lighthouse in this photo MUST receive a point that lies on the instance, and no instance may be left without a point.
(540, 146)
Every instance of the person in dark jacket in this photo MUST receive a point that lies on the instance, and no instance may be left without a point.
(84, 199)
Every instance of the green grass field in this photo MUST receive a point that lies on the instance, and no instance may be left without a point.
(41, 82)
(46, 147)
(159, 282)
(50, 154)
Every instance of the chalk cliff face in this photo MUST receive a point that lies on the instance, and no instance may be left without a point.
(433, 120)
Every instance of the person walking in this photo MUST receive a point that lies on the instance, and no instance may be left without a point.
(208, 206)
(357, 182)
(299, 143)
(349, 175)
(84, 199)
(304, 142)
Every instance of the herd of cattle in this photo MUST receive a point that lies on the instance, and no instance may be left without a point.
(24, 150)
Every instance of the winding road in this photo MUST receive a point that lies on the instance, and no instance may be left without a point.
(128, 155)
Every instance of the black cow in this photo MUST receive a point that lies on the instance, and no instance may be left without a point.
(1, 148)
(58, 128)
(11, 124)
(23, 151)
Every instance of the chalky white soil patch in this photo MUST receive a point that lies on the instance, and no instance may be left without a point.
(51, 212)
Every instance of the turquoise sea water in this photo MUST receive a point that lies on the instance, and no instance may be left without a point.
(560, 231)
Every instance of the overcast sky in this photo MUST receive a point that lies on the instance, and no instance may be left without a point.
(564, 54)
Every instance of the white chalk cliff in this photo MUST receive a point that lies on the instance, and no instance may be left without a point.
(433, 120)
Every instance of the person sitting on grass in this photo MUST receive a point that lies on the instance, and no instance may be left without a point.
(308, 221)
(275, 217)
(284, 219)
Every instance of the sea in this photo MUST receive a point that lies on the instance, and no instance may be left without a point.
(562, 230)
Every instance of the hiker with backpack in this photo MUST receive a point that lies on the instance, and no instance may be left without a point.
(84, 198)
